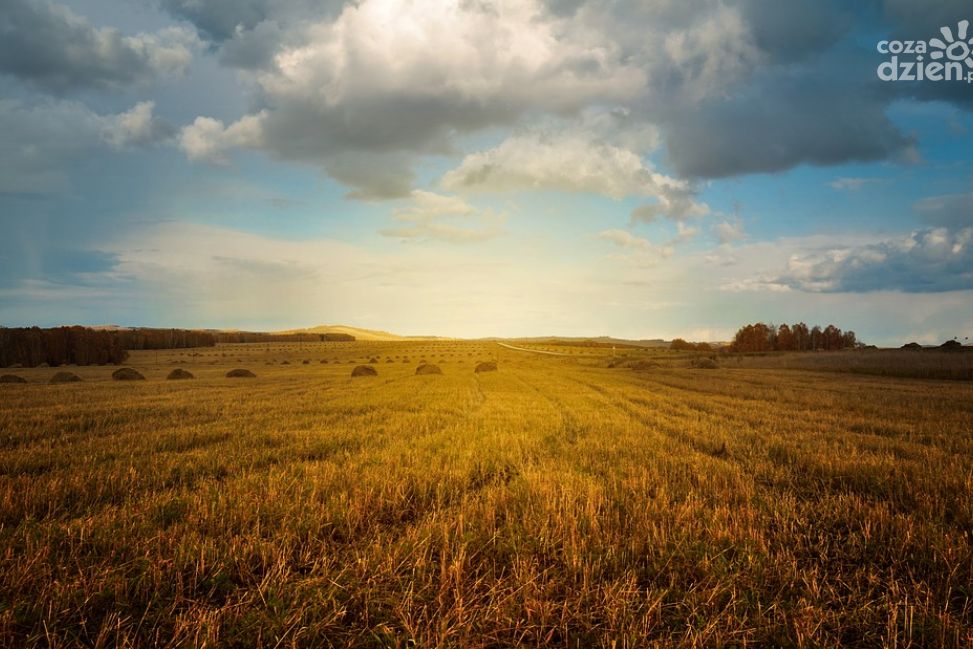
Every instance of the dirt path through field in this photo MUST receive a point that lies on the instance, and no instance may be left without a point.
(532, 351)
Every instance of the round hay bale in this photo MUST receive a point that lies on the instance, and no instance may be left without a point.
(951, 345)
(285, 362)
(364, 370)
(179, 374)
(12, 378)
(428, 369)
(324, 361)
(65, 377)
(705, 364)
(127, 374)
(305, 362)
(240, 374)
(488, 366)
(645, 365)
(372, 360)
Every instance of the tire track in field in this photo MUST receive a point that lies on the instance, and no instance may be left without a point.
(533, 351)
(677, 426)
(802, 477)
(635, 409)
(567, 418)
(729, 408)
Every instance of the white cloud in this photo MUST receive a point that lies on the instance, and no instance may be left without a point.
(334, 88)
(434, 217)
(625, 239)
(574, 161)
(684, 233)
(676, 203)
(208, 139)
(728, 232)
(931, 260)
(638, 251)
(712, 53)
(136, 127)
(498, 56)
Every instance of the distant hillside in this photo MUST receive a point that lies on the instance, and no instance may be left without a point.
(357, 332)
(600, 341)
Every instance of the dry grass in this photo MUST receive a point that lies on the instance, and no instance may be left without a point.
(555, 503)
(922, 364)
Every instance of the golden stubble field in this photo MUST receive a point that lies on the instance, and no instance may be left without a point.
(556, 502)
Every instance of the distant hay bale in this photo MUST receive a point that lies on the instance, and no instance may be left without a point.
(12, 378)
(428, 369)
(364, 370)
(705, 364)
(912, 345)
(389, 360)
(372, 360)
(240, 374)
(305, 362)
(179, 374)
(951, 346)
(644, 365)
(127, 374)
(324, 361)
(285, 362)
(65, 377)
(487, 366)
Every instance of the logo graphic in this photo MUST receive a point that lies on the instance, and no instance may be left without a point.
(949, 58)
(954, 49)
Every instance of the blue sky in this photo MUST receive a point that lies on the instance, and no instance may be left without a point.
(575, 167)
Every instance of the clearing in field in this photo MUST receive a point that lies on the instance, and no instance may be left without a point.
(555, 501)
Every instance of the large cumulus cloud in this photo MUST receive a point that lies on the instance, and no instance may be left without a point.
(52, 48)
(732, 87)
(926, 261)
(441, 69)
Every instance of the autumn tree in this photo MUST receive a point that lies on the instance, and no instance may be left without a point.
(760, 337)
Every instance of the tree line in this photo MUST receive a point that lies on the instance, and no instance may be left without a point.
(33, 346)
(761, 337)
(681, 345)
(146, 338)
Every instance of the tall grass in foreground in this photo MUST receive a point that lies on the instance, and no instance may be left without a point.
(551, 503)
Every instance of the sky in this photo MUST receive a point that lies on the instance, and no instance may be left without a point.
(634, 168)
